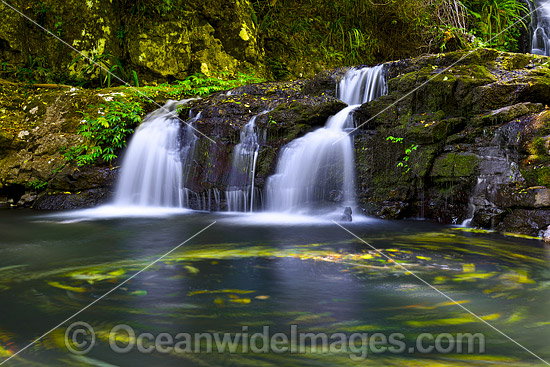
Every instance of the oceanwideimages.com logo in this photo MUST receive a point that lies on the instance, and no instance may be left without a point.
(81, 338)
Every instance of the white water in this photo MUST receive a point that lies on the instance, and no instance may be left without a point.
(317, 172)
(241, 195)
(540, 27)
(154, 168)
(362, 85)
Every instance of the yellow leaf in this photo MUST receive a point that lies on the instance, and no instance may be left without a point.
(463, 319)
(67, 287)
(468, 268)
(191, 269)
(117, 273)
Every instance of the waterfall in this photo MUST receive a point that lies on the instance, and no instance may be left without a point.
(156, 162)
(540, 27)
(359, 86)
(241, 195)
(317, 171)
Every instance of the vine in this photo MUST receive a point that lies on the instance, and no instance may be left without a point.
(403, 163)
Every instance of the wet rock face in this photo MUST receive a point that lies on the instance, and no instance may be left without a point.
(292, 113)
(34, 172)
(159, 40)
(38, 126)
(206, 37)
(474, 129)
(462, 135)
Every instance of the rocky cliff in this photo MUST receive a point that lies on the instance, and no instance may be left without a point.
(459, 135)
(475, 141)
(163, 40)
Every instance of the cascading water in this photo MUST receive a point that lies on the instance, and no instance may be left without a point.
(156, 162)
(241, 195)
(317, 170)
(359, 86)
(540, 27)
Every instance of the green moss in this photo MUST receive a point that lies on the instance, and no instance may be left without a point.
(539, 146)
(455, 165)
(438, 88)
(421, 161)
(427, 129)
(515, 61)
(537, 175)
(507, 114)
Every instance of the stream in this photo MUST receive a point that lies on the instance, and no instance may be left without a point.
(266, 270)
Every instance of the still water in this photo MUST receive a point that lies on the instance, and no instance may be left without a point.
(251, 271)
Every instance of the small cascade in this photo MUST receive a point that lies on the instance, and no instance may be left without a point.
(317, 172)
(241, 195)
(496, 170)
(359, 86)
(156, 162)
(540, 27)
(209, 200)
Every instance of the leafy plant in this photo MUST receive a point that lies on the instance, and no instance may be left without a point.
(59, 28)
(106, 133)
(37, 184)
(104, 67)
(393, 139)
(201, 85)
(404, 161)
(32, 71)
(493, 21)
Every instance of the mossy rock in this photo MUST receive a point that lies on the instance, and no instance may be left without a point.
(537, 175)
(453, 165)
(526, 221)
(434, 88)
(311, 111)
(380, 112)
(422, 159)
(424, 130)
(507, 114)
(513, 61)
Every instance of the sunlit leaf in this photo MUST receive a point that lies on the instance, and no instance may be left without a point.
(67, 287)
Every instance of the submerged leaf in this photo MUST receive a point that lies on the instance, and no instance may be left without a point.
(236, 291)
(67, 287)
(138, 293)
(191, 269)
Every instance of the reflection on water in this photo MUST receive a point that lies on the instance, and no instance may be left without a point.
(246, 271)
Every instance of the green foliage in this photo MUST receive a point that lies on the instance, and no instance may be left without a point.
(404, 161)
(58, 26)
(106, 133)
(351, 32)
(37, 185)
(493, 21)
(393, 139)
(34, 71)
(103, 70)
(201, 85)
(121, 35)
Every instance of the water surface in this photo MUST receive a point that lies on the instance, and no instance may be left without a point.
(265, 270)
